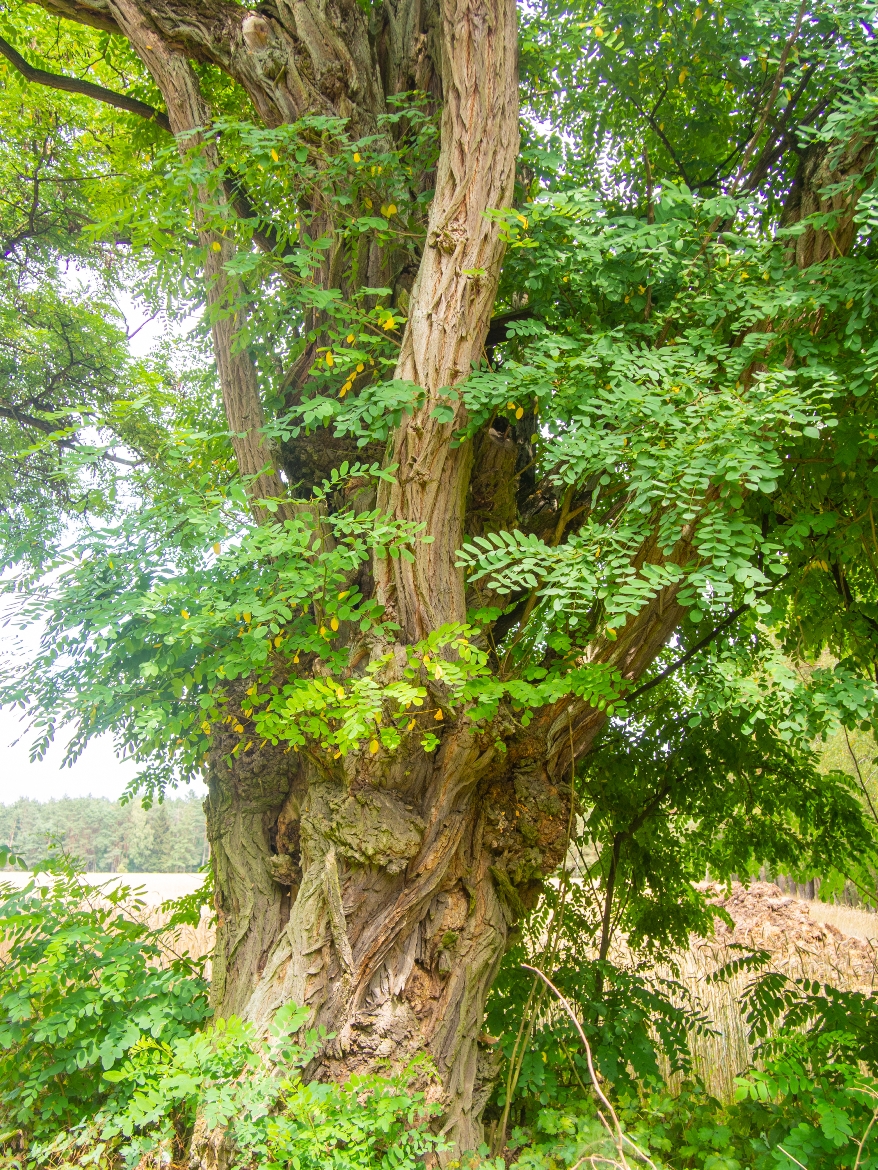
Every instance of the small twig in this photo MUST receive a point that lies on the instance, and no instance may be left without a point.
(791, 1158)
(689, 655)
(620, 1137)
(872, 1121)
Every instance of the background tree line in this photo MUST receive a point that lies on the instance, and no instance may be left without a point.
(109, 837)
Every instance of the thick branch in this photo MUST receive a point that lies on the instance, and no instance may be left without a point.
(451, 305)
(109, 97)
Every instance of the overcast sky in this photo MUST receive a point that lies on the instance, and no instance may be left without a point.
(97, 772)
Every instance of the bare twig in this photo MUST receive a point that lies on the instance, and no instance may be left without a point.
(619, 1136)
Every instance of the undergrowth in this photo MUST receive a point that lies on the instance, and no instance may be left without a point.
(109, 1058)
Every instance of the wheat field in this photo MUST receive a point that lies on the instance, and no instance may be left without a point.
(811, 940)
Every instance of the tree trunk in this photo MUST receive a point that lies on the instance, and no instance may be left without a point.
(369, 889)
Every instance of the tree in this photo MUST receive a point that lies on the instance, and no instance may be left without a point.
(390, 627)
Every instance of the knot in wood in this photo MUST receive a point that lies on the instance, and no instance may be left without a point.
(256, 32)
(448, 239)
(284, 869)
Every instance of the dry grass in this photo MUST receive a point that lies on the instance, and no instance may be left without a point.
(850, 920)
(806, 940)
(151, 889)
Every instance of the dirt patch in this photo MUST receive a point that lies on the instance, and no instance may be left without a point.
(766, 918)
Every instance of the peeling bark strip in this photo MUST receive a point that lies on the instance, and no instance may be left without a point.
(452, 301)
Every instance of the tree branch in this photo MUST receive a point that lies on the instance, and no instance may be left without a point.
(264, 237)
(27, 420)
(87, 88)
(689, 655)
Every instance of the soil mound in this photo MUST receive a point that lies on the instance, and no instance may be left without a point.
(765, 918)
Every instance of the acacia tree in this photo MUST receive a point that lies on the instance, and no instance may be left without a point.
(388, 633)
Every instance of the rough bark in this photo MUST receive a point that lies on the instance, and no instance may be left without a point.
(830, 180)
(395, 886)
(451, 305)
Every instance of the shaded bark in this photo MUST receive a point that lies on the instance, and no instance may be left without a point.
(829, 182)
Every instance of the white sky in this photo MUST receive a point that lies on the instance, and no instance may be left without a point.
(97, 772)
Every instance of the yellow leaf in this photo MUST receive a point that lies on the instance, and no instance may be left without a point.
(357, 156)
(698, 14)
(360, 367)
(217, 549)
(339, 693)
(249, 745)
(389, 323)
(323, 631)
(598, 32)
(334, 623)
(439, 716)
(368, 203)
(205, 727)
(510, 406)
(373, 746)
(343, 594)
(217, 246)
(247, 617)
(275, 156)
(391, 209)
(330, 360)
(296, 659)
(520, 412)
(849, 303)
(185, 613)
(684, 73)
(344, 389)
(251, 690)
(336, 755)
(239, 728)
(411, 725)
(278, 640)
(350, 339)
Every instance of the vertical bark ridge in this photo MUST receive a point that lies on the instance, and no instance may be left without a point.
(451, 303)
(188, 112)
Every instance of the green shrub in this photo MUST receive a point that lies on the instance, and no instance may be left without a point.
(254, 1091)
(80, 987)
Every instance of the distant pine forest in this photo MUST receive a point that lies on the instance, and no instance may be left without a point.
(109, 837)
